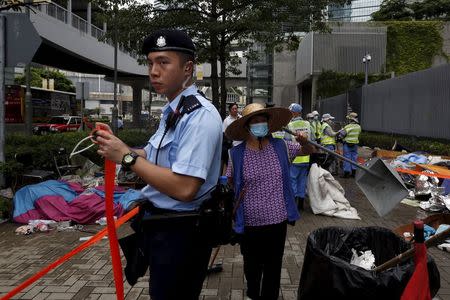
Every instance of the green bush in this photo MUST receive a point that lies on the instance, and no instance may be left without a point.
(331, 83)
(5, 208)
(412, 45)
(43, 147)
(385, 141)
(103, 119)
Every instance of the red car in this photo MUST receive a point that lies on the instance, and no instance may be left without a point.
(58, 124)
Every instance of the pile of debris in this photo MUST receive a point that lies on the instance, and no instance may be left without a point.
(426, 176)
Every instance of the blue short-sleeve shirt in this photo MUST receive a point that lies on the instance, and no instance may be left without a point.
(193, 148)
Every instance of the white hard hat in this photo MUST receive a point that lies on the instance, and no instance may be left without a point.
(326, 117)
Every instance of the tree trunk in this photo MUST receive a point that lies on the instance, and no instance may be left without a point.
(137, 105)
(213, 59)
(214, 82)
(223, 83)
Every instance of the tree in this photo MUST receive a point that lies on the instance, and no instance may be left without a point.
(393, 10)
(37, 74)
(110, 13)
(18, 5)
(431, 10)
(217, 26)
(418, 10)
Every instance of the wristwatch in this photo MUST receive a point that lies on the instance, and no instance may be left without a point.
(129, 159)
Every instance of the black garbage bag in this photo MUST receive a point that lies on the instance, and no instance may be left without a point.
(328, 274)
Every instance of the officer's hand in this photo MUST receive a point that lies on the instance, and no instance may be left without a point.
(302, 138)
(111, 147)
(103, 126)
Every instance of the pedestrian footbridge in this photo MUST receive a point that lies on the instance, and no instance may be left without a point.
(71, 43)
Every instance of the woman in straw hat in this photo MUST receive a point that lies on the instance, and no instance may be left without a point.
(259, 171)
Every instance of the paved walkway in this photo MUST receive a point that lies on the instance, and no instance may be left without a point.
(89, 276)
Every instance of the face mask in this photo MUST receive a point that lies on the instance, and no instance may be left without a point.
(259, 129)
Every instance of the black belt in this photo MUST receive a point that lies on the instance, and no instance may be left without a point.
(151, 217)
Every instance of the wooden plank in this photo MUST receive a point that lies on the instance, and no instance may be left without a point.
(386, 153)
(436, 169)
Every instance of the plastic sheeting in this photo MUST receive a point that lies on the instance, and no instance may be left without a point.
(327, 273)
(326, 195)
(62, 201)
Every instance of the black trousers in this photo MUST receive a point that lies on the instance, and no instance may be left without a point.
(178, 259)
(263, 249)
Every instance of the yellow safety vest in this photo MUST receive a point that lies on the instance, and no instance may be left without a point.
(313, 130)
(278, 134)
(353, 131)
(317, 129)
(299, 125)
(326, 139)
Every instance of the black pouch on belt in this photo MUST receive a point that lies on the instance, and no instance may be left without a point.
(133, 248)
(137, 260)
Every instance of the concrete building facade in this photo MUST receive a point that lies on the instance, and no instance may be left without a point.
(295, 74)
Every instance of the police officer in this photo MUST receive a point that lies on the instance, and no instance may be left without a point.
(328, 139)
(350, 135)
(180, 164)
(300, 164)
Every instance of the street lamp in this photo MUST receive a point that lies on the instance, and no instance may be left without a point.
(365, 60)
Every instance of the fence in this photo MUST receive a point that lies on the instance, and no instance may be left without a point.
(416, 104)
(336, 106)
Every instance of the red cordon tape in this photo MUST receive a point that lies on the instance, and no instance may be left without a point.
(400, 170)
(110, 170)
(97, 237)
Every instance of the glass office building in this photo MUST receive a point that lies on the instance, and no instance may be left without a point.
(357, 11)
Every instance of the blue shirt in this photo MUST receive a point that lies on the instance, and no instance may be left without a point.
(193, 148)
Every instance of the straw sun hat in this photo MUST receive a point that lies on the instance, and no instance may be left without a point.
(278, 118)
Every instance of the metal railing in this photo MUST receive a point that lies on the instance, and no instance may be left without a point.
(79, 23)
(60, 13)
(97, 32)
(55, 11)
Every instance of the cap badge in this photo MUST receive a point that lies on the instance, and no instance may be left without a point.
(161, 41)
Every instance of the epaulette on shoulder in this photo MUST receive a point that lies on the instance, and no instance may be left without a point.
(203, 94)
(190, 104)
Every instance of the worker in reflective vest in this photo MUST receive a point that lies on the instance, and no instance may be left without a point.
(310, 119)
(300, 164)
(350, 135)
(278, 134)
(328, 139)
(316, 126)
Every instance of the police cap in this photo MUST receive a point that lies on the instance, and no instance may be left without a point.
(168, 40)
